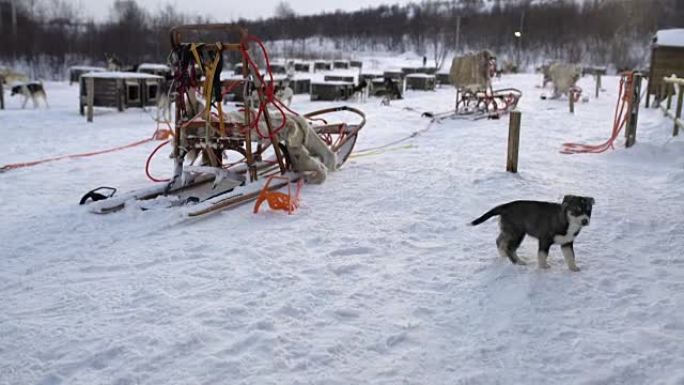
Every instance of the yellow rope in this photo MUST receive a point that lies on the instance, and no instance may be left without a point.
(361, 154)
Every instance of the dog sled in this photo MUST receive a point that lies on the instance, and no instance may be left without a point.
(223, 159)
(475, 97)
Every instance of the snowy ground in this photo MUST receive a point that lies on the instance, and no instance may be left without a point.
(375, 280)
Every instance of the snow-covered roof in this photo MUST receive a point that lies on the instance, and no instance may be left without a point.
(669, 38)
(153, 66)
(418, 75)
(120, 75)
(333, 82)
(88, 68)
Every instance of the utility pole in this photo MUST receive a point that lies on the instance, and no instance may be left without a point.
(458, 34)
(519, 35)
(14, 18)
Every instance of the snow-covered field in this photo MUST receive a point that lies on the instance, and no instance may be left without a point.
(376, 279)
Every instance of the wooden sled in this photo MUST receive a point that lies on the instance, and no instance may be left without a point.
(202, 130)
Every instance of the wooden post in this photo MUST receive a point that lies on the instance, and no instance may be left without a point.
(90, 98)
(668, 90)
(571, 101)
(680, 99)
(598, 84)
(2, 94)
(513, 142)
(630, 132)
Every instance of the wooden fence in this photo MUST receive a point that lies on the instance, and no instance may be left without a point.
(674, 87)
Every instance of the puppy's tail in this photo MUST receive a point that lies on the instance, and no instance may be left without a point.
(491, 213)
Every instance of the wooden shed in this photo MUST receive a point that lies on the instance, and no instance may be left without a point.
(120, 90)
(420, 82)
(667, 58)
(75, 72)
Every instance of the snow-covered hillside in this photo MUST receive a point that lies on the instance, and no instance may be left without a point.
(376, 279)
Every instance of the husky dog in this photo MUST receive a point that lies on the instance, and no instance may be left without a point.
(31, 91)
(361, 91)
(284, 94)
(551, 223)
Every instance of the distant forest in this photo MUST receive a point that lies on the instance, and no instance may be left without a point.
(45, 36)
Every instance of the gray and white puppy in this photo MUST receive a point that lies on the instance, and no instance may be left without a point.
(551, 223)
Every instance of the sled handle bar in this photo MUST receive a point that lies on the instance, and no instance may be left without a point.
(176, 33)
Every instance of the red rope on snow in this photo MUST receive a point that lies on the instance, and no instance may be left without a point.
(625, 98)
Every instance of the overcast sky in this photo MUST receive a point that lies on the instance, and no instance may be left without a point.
(227, 10)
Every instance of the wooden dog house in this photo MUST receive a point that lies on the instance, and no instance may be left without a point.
(331, 90)
(667, 58)
(420, 82)
(119, 90)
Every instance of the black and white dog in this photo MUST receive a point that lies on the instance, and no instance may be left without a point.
(551, 223)
(31, 91)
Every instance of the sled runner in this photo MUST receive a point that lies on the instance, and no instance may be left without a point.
(223, 158)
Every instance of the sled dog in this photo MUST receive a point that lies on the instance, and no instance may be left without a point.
(31, 91)
(551, 223)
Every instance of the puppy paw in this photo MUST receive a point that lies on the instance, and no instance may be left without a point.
(574, 268)
(544, 266)
(521, 262)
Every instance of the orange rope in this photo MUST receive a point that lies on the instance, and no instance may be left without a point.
(14, 166)
(625, 99)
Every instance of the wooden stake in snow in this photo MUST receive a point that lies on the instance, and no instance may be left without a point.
(90, 97)
(513, 142)
(2, 94)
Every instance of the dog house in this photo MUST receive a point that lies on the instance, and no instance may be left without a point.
(341, 64)
(333, 90)
(394, 75)
(75, 72)
(339, 78)
(356, 64)
(442, 78)
(120, 90)
(236, 85)
(320, 65)
(420, 82)
(667, 58)
(369, 76)
(155, 69)
(409, 70)
(427, 70)
(277, 68)
(302, 67)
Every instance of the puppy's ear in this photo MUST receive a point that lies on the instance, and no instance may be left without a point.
(567, 199)
(591, 200)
